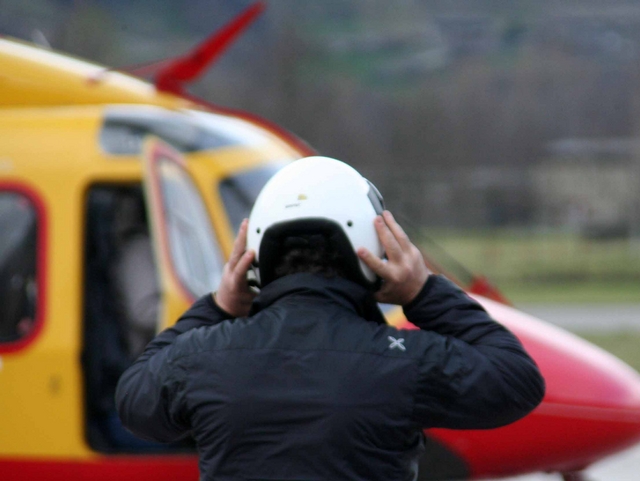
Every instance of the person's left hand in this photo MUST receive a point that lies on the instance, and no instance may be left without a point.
(234, 294)
(404, 273)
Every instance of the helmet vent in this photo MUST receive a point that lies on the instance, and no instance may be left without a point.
(349, 223)
(258, 230)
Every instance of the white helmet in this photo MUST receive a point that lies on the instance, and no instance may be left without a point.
(316, 195)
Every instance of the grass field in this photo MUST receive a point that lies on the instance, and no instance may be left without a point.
(531, 266)
(552, 267)
(625, 345)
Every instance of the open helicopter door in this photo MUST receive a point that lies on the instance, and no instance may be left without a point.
(187, 252)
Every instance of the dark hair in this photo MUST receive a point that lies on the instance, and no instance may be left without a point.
(311, 253)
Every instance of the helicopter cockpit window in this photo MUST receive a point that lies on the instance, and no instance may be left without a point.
(18, 287)
(239, 192)
(195, 255)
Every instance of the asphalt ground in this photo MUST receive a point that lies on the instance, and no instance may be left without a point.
(588, 317)
(621, 467)
(624, 466)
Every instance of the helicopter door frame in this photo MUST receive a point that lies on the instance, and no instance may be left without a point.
(187, 251)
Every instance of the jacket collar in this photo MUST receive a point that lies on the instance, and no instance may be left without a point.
(347, 294)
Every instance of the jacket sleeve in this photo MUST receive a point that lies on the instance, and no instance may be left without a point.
(474, 373)
(148, 393)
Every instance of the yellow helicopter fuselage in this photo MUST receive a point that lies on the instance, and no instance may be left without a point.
(63, 125)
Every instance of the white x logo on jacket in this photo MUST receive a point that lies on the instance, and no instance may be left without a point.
(396, 343)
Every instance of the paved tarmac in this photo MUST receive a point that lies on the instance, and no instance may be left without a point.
(587, 317)
(624, 466)
(621, 467)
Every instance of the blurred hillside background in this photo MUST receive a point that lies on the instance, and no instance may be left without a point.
(506, 130)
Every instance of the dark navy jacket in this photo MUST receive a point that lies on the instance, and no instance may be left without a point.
(306, 389)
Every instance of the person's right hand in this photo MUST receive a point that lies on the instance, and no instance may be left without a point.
(234, 294)
(405, 272)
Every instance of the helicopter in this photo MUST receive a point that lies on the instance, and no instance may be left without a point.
(77, 138)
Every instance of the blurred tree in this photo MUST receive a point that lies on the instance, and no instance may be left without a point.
(89, 32)
(443, 141)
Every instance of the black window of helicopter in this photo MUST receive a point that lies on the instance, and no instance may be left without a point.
(239, 191)
(120, 289)
(18, 288)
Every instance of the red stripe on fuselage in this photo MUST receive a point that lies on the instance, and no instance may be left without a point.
(117, 468)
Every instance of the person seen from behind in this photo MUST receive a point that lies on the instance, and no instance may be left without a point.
(306, 380)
